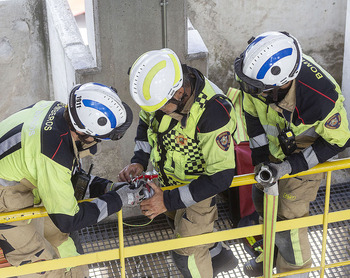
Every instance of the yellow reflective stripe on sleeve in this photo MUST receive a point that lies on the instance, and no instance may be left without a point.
(149, 77)
(176, 67)
(294, 236)
(193, 267)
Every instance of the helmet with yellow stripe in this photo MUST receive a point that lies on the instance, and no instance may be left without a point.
(154, 78)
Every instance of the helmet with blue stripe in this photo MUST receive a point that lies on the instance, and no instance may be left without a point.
(96, 110)
(154, 78)
(271, 59)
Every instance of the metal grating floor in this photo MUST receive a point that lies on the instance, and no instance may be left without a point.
(105, 236)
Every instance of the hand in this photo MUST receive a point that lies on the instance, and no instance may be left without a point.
(130, 197)
(268, 174)
(130, 171)
(154, 205)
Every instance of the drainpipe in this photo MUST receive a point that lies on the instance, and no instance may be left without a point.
(164, 4)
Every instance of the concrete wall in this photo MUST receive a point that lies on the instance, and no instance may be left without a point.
(227, 25)
(118, 33)
(69, 56)
(319, 25)
(23, 60)
(124, 30)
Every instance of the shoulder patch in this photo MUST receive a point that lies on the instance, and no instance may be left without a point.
(224, 140)
(333, 122)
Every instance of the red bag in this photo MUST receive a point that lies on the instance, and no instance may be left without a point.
(244, 166)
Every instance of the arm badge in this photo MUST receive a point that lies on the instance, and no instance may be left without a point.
(224, 140)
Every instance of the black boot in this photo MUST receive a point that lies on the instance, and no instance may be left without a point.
(223, 260)
(181, 262)
(255, 267)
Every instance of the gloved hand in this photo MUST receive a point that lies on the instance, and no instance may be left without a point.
(130, 197)
(268, 173)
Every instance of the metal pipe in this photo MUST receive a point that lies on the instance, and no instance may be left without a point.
(164, 4)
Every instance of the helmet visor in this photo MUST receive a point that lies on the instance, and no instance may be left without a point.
(114, 135)
(247, 84)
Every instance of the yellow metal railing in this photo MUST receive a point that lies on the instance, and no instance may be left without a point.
(142, 249)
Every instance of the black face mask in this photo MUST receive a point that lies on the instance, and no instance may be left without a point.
(278, 96)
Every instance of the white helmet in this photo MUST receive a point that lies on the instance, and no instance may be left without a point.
(154, 78)
(273, 59)
(96, 110)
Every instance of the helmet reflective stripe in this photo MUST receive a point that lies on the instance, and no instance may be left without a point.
(149, 78)
(177, 69)
(102, 108)
(99, 84)
(155, 107)
(272, 60)
(255, 42)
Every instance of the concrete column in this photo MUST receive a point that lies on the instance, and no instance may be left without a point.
(124, 30)
(23, 54)
(346, 61)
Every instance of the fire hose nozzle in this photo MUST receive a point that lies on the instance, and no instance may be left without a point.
(264, 175)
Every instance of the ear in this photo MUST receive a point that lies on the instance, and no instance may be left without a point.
(179, 93)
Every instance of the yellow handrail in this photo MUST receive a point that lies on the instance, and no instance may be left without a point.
(325, 223)
(143, 249)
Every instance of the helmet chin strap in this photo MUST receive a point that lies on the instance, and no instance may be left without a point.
(181, 103)
(275, 94)
(183, 106)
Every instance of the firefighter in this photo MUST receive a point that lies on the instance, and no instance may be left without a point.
(185, 129)
(295, 120)
(39, 147)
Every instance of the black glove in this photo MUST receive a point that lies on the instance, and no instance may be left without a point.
(268, 173)
(97, 186)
